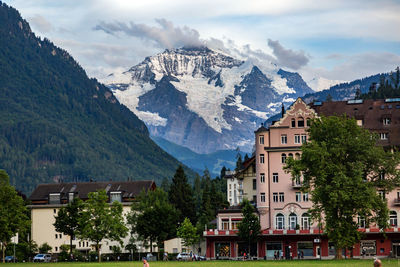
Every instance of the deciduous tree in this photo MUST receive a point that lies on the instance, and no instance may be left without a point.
(67, 220)
(342, 169)
(188, 233)
(249, 228)
(152, 217)
(12, 212)
(100, 220)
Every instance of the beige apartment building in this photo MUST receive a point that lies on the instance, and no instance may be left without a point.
(47, 199)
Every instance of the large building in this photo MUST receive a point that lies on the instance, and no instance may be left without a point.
(47, 199)
(283, 208)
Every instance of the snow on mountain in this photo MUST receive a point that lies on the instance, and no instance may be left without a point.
(204, 99)
(320, 83)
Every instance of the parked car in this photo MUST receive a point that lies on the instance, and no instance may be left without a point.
(42, 258)
(183, 256)
(10, 259)
(199, 257)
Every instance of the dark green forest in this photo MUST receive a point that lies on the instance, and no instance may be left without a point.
(388, 87)
(57, 124)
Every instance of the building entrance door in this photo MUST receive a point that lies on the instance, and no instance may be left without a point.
(287, 252)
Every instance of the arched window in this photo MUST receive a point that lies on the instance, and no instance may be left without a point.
(283, 157)
(300, 122)
(280, 221)
(393, 218)
(290, 155)
(293, 123)
(292, 221)
(297, 156)
(305, 221)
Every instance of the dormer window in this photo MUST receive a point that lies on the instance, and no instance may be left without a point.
(70, 197)
(115, 196)
(54, 198)
(293, 123)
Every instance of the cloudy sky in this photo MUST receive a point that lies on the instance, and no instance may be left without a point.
(335, 39)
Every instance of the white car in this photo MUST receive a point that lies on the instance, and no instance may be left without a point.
(42, 258)
(183, 256)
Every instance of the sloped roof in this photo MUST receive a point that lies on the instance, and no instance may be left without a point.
(129, 189)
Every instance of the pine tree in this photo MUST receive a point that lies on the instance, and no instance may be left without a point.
(181, 196)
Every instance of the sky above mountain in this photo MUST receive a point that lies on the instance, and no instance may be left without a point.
(336, 39)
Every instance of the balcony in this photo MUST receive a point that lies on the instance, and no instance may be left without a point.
(396, 202)
(296, 184)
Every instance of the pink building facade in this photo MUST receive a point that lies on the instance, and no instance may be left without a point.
(282, 208)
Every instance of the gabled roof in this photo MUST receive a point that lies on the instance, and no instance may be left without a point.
(129, 189)
(292, 109)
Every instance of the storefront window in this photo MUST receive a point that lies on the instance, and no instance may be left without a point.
(222, 250)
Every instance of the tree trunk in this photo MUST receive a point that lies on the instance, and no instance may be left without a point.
(151, 246)
(3, 248)
(70, 247)
(98, 251)
(338, 255)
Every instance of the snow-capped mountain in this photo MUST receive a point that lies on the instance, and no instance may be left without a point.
(204, 99)
(319, 83)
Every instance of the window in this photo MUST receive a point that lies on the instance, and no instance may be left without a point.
(70, 197)
(303, 138)
(290, 155)
(262, 177)
(254, 199)
(275, 197)
(360, 122)
(230, 186)
(298, 196)
(234, 186)
(230, 193)
(292, 221)
(56, 236)
(235, 224)
(386, 121)
(254, 184)
(300, 122)
(275, 177)
(60, 235)
(284, 139)
(308, 122)
(262, 158)
(393, 218)
(305, 197)
(280, 221)
(293, 123)
(297, 180)
(382, 175)
(262, 197)
(283, 157)
(56, 248)
(54, 198)
(305, 221)
(383, 136)
(225, 224)
(281, 197)
(115, 196)
(297, 156)
(361, 222)
(54, 211)
(261, 139)
(297, 139)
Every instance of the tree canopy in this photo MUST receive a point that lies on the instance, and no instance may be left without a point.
(188, 233)
(343, 170)
(153, 218)
(13, 216)
(100, 220)
(67, 219)
(249, 228)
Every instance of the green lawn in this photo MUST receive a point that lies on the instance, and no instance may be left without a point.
(329, 263)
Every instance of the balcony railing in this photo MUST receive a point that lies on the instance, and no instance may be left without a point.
(296, 184)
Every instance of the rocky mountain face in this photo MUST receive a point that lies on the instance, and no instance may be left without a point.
(59, 125)
(203, 99)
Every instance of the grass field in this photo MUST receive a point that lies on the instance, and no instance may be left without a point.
(303, 263)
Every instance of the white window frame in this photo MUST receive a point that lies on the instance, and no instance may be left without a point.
(292, 221)
(262, 177)
(298, 196)
(305, 221)
(303, 138)
(305, 197)
(262, 197)
(280, 221)
(283, 139)
(262, 158)
(281, 197)
(275, 177)
(261, 139)
(275, 197)
(384, 136)
(297, 139)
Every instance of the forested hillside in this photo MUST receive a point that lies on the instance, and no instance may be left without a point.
(56, 123)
